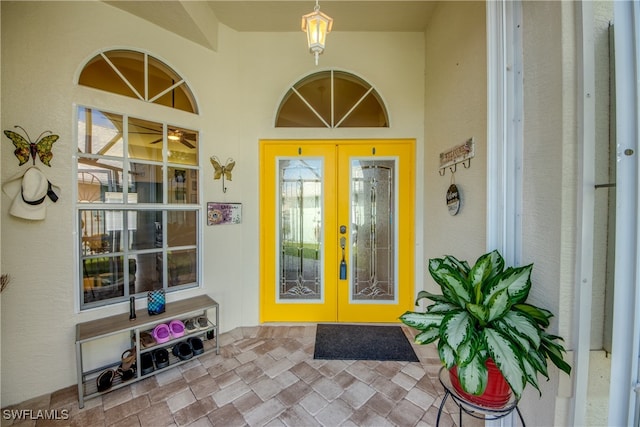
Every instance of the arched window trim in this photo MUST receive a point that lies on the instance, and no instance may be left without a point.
(145, 97)
(292, 87)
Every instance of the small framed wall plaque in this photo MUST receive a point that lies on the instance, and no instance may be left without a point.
(224, 213)
(453, 200)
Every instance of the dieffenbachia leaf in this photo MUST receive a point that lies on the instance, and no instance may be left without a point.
(447, 356)
(432, 297)
(553, 351)
(498, 305)
(442, 307)
(517, 281)
(453, 285)
(461, 266)
(428, 336)
(538, 360)
(473, 376)
(507, 359)
(523, 325)
(481, 271)
(421, 321)
(456, 328)
(466, 352)
(540, 315)
(480, 312)
(531, 374)
(505, 329)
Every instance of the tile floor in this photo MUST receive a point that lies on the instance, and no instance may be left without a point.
(266, 376)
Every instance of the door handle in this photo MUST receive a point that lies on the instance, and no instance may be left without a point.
(343, 263)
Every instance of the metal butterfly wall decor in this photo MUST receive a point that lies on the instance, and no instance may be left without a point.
(220, 171)
(26, 147)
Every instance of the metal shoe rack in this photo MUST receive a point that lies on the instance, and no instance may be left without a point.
(102, 328)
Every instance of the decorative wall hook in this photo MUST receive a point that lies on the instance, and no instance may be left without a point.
(220, 171)
(462, 153)
(25, 147)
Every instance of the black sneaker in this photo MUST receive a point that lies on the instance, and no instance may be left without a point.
(146, 360)
(196, 345)
(161, 357)
(182, 350)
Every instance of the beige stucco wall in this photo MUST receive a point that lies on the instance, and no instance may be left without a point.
(456, 110)
(549, 185)
(238, 88)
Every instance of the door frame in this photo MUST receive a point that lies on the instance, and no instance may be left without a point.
(624, 384)
(505, 110)
(406, 200)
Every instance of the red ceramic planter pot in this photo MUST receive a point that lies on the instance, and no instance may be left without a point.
(497, 393)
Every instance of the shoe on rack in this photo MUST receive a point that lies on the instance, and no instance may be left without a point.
(128, 358)
(161, 357)
(105, 380)
(191, 326)
(146, 360)
(197, 347)
(127, 369)
(146, 339)
(176, 327)
(182, 350)
(203, 323)
(128, 374)
(161, 333)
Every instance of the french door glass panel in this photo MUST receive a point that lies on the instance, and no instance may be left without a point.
(300, 200)
(373, 230)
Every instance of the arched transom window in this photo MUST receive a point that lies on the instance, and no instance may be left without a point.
(332, 99)
(138, 75)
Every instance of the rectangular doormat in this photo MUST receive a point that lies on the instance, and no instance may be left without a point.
(362, 342)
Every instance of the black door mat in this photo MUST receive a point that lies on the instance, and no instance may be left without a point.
(362, 342)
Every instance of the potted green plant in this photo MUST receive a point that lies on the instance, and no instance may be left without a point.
(482, 321)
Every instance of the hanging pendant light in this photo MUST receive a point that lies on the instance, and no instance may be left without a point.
(317, 25)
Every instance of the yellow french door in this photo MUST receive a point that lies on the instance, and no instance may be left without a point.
(336, 240)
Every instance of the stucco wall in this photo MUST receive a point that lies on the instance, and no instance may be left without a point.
(456, 110)
(549, 184)
(238, 89)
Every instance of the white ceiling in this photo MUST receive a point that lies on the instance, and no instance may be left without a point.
(347, 15)
(189, 20)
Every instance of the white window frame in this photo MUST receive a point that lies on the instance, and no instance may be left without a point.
(165, 206)
(145, 109)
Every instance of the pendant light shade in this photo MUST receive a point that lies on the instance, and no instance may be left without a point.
(317, 25)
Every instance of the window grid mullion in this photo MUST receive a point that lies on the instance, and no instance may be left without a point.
(310, 107)
(333, 103)
(146, 77)
(124, 79)
(348, 113)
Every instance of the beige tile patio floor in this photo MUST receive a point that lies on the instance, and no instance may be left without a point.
(266, 376)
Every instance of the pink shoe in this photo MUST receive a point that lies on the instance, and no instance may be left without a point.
(177, 328)
(161, 333)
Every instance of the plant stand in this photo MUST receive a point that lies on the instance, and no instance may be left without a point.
(473, 409)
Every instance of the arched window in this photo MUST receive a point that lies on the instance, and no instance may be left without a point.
(138, 75)
(138, 206)
(332, 99)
